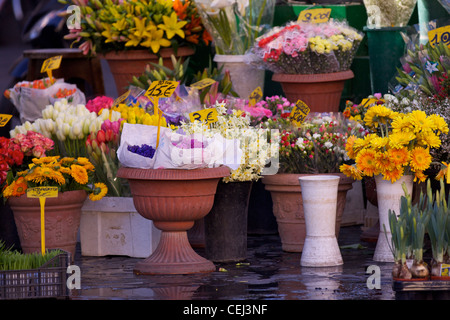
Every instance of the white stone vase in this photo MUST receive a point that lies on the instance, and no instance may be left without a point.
(244, 77)
(319, 193)
(388, 195)
(112, 226)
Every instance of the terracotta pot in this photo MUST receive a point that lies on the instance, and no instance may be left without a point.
(288, 207)
(173, 199)
(62, 221)
(321, 92)
(126, 64)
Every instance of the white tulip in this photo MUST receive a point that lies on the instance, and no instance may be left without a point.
(65, 129)
(27, 125)
(77, 129)
(219, 4)
(50, 125)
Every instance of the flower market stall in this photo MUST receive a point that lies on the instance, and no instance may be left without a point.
(182, 145)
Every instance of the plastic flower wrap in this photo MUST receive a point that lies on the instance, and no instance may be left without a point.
(399, 144)
(445, 4)
(234, 125)
(150, 24)
(235, 24)
(305, 48)
(66, 173)
(389, 13)
(317, 145)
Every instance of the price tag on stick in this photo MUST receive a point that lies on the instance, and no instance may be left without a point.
(299, 113)
(51, 64)
(436, 36)
(42, 193)
(206, 115)
(255, 96)
(4, 118)
(160, 89)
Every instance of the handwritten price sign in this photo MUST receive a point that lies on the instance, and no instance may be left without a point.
(299, 113)
(255, 96)
(203, 83)
(51, 64)
(206, 115)
(4, 118)
(439, 35)
(315, 15)
(161, 89)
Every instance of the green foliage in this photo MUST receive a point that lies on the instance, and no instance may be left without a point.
(15, 260)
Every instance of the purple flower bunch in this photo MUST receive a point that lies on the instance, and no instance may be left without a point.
(144, 150)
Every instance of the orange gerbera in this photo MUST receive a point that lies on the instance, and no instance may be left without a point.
(349, 147)
(420, 159)
(383, 162)
(18, 187)
(419, 176)
(79, 173)
(399, 157)
(351, 171)
(366, 163)
(394, 174)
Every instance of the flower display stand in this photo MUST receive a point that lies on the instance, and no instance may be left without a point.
(112, 226)
(319, 194)
(173, 199)
(389, 196)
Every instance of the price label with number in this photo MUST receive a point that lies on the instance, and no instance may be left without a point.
(161, 89)
(315, 15)
(445, 270)
(121, 99)
(4, 118)
(51, 64)
(368, 102)
(299, 113)
(206, 115)
(255, 96)
(203, 83)
(439, 35)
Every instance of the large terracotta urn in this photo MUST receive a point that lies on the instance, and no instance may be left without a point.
(173, 199)
(126, 64)
(287, 201)
(62, 221)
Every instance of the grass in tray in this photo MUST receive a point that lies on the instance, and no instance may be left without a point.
(15, 260)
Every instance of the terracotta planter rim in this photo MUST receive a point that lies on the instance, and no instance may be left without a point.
(293, 176)
(173, 174)
(81, 195)
(312, 78)
(145, 54)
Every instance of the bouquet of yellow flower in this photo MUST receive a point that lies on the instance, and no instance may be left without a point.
(66, 173)
(118, 25)
(399, 144)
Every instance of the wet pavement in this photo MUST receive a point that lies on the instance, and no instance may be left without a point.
(269, 273)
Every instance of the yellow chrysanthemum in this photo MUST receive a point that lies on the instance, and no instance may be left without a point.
(100, 190)
(420, 159)
(400, 139)
(401, 123)
(45, 160)
(79, 173)
(365, 161)
(420, 121)
(44, 174)
(378, 114)
(349, 147)
(379, 142)
(351, 171)
(439, 124)
(428, 139)
(399, 157)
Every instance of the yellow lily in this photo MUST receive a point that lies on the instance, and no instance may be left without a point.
(156, 40)
(120, 25)
(108, 33)
(172, 26)
(140, 32)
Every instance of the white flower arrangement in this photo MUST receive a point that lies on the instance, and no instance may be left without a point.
(234, 124)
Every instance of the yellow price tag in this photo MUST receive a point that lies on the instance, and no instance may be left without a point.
(315, 15)
(42, 193)
(161, 89)
(51, 64)
(439, 35)
(4, 118)
(445, 270)
(299, 113)
(203, 83)
(121, 99)
(206, 115)
(255, 96)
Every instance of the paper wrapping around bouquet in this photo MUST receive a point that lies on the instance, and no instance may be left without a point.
(31, 101)
(172, 154)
